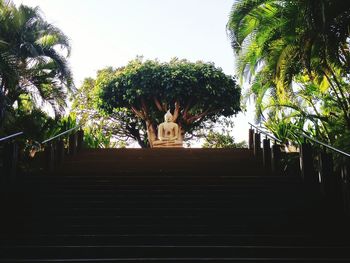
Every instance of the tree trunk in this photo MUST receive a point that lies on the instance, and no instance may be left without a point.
(142, 143)
(151, 132)
(140, 140)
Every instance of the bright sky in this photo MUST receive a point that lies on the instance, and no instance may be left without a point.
(113, 32)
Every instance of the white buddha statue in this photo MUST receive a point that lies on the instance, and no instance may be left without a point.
(168, 133)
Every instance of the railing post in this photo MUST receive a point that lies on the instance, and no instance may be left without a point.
(59, 151)
(276, 159)
(266, 154)
(251, 139)
(306, 164)
(10, 160)
(325, 173)
(73, 144)
(345, 175)
(80, 140)
(257, 144)
(50, 157)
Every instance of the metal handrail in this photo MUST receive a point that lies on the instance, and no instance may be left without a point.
(326, 145)
(11, 136)
(267, 134)
(59, 135)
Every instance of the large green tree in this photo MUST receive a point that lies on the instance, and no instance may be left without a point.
(194, 92)
(296, 55)
(32, 59)
(121, 123)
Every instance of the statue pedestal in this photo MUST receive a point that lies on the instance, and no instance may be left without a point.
(167, 144)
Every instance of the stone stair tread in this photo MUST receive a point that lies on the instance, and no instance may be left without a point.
(78, 252)
(132, 205)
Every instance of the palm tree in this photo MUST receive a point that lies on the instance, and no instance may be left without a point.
(278, 42)
(32, 59)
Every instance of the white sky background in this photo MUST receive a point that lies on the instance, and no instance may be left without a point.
(113, 32)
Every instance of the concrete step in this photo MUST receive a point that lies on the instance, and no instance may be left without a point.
(294, 239)
(141, 253)
(167, 205)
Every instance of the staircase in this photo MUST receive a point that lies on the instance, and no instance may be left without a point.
(168, 205)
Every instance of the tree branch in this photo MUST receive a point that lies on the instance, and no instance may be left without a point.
(177, 110)
(339, 87)
(157, 102)
(309, 100)
(187, 107)
(339, 100)
(165, 107)
(144, 107)
(199, 116)
(138, 113)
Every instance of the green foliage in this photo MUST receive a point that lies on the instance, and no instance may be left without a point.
(220, 140)
(296, 55)
(285, 128)
(121, 124)
(31, 62)
(67, 123)
(128, 98)
(201, 83)
(36, 125)
(195, 92)
(96, 138)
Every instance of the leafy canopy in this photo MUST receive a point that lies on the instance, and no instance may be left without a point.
(194, 92)
(296, 56)
(120, 125)
(32, 60)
